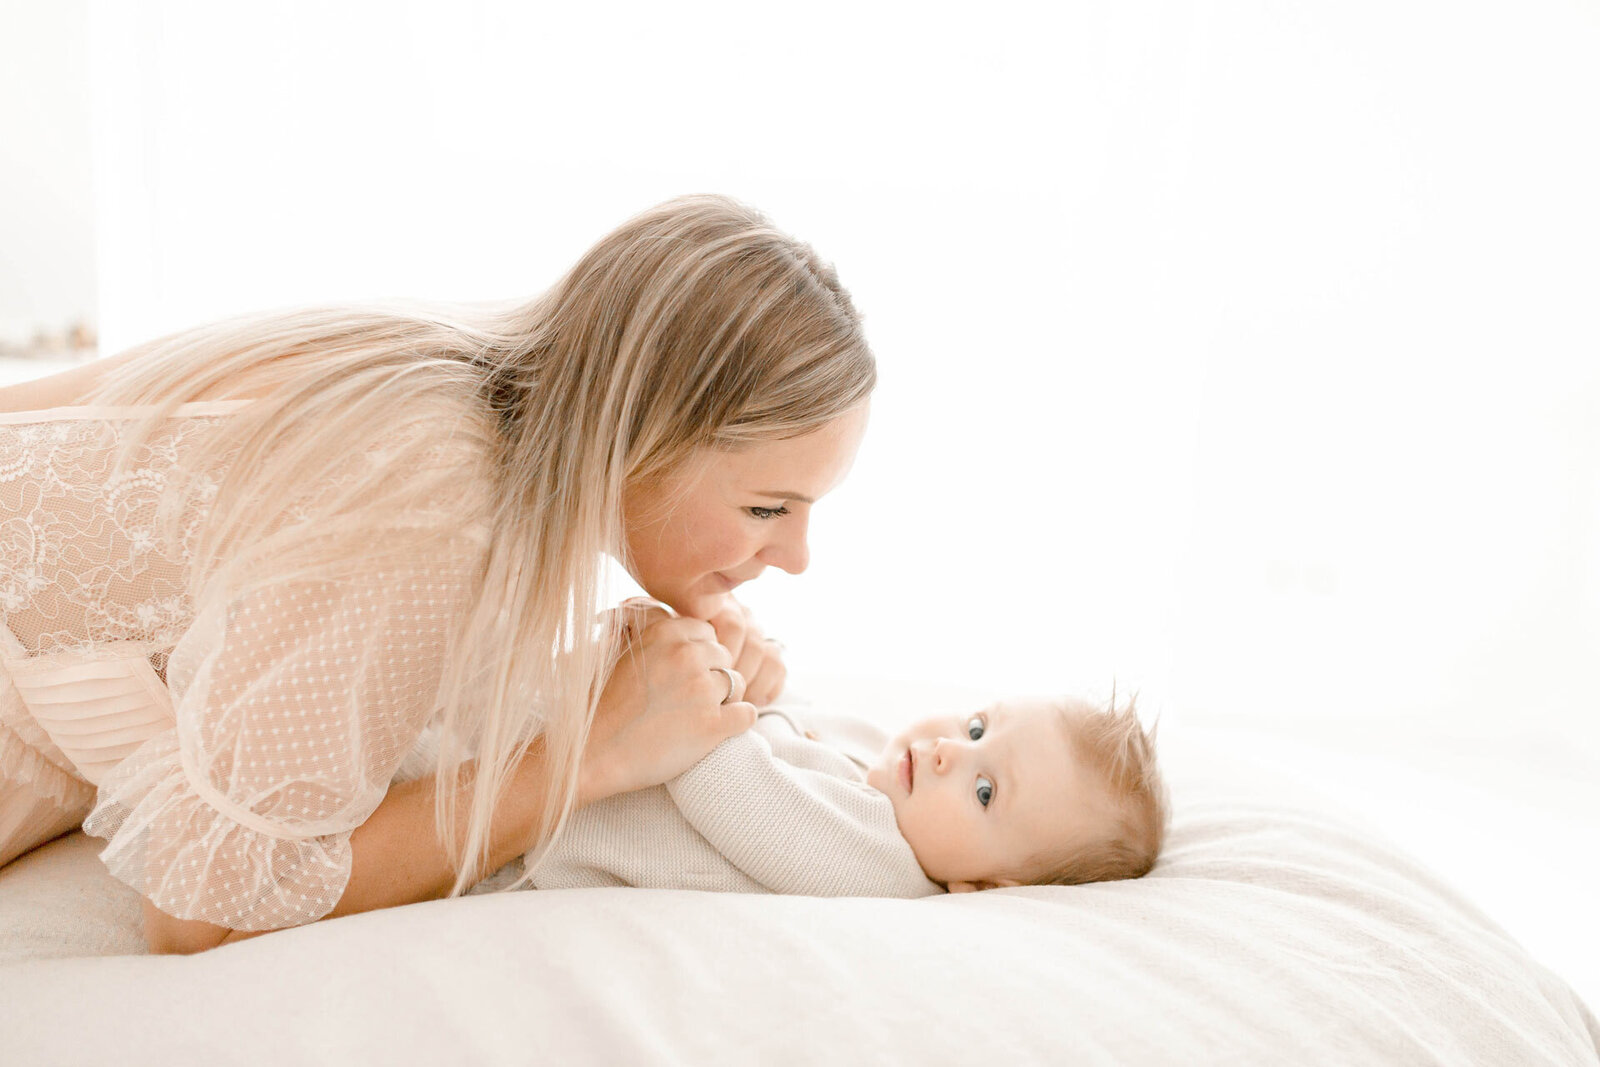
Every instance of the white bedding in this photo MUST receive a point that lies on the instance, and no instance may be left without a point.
(1273, 931)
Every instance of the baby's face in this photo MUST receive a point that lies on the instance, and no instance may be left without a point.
(979, 796)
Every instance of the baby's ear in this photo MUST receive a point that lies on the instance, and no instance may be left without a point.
(971, 887)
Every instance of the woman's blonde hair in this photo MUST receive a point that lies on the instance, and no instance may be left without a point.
(695, 325)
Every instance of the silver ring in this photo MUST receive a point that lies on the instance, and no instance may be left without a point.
(732, 683)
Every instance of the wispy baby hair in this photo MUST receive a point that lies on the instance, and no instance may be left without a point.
(1111, 744)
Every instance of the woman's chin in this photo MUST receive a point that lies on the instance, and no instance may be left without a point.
(699, 605)
(691, 604)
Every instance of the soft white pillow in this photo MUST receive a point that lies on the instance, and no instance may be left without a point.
(58, 901)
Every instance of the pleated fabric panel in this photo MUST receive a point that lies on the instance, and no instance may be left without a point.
(97, 711)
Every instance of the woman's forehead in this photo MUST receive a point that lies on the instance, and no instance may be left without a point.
(794, 467)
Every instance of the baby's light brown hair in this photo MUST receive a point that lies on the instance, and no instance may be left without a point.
(1113, 746)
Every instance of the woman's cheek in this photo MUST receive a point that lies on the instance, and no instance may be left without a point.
(723, 550)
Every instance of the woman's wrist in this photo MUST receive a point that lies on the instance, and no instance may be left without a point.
(595, 779)
(521, 811)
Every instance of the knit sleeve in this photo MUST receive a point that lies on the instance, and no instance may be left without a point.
(799, 823)
(294, 704)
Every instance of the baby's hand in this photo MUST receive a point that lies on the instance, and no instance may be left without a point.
(756, 656)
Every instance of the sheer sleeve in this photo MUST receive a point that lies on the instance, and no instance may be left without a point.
(294, 704)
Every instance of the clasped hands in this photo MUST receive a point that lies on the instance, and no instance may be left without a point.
(669, 701)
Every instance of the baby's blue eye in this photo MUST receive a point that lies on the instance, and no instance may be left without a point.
(975, 727)
(768, 513)
(985, 791)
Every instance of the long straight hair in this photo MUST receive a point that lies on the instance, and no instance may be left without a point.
(695, 325)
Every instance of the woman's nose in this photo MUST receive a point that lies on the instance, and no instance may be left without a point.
(788, 549)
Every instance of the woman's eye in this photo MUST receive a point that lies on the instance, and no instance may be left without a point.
(975, 727)
(768, 513)
(985, 791)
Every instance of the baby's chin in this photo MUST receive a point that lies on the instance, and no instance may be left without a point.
(879, 777)
(882, 772)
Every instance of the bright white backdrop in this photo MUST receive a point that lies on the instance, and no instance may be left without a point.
(1242, 353)
(47, 276)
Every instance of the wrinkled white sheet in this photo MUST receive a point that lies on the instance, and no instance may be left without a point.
(1273, 931)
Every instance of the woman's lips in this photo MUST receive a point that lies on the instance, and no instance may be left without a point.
(908, 771)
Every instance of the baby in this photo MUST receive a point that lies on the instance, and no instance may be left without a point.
(1024, 792)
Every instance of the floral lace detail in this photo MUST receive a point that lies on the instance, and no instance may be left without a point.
(90, 553)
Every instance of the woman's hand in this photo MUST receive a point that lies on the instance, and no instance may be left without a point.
(756, 656)
(663, 707)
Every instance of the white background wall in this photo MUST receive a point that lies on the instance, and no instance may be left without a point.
(47, 279)
(1243, 353)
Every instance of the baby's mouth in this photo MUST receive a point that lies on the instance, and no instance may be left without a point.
(908, 771)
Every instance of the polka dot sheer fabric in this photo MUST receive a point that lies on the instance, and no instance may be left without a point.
(292, 703)
(294, 707)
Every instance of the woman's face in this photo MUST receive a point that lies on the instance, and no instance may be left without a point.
(694, 536)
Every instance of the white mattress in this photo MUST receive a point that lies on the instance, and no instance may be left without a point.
(1276, 929)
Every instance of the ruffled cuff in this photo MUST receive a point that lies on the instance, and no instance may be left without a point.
(195, 862)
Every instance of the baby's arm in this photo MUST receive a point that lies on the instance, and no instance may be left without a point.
(794, 823)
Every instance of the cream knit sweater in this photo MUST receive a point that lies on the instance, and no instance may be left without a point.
(768, 811)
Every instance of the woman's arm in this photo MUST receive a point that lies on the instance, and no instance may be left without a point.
(660, 712)
(396, 855)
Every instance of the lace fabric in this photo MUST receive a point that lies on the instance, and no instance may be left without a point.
(292, 702)
(87, 554)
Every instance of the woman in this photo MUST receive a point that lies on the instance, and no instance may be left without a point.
(244, 566)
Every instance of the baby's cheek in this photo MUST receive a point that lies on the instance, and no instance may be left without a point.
(924, 844)
(929, 853)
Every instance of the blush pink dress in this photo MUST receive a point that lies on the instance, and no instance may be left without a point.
(224, 744)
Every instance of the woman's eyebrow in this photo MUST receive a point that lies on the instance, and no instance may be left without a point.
(782, 495)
